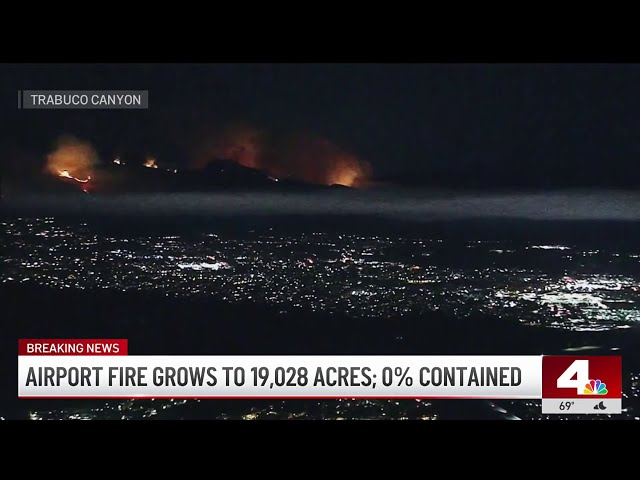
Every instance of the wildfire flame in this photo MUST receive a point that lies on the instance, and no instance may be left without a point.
(306, 157)
(317, 160)
(66, 174)
(150, 163)
(74, 160)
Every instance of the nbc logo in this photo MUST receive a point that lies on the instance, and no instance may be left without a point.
(576, 385)
(595, 387)
(577, 377)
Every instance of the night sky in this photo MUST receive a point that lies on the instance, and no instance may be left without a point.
(430, 124)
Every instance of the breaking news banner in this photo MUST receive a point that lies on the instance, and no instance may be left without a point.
(103, 368)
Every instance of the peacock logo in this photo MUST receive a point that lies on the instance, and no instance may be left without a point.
(595, 387)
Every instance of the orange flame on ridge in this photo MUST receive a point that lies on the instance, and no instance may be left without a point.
(307, 157)
(72, 159)
(66, 174)
(150, 163)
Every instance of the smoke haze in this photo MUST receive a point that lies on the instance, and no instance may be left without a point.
(421, 206)
(303, 156)
(74, 156)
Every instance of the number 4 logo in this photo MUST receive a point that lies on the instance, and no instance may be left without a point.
(576, 376)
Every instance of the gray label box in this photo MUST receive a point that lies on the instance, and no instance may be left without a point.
(84, 99)
(593, 405)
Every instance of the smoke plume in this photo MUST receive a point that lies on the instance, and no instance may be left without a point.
(73, 156)
(307, 157)
(315, 159)
(242, 144)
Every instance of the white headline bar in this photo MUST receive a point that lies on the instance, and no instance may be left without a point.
(280, 376)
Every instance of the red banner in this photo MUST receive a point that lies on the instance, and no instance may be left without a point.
(581, 377)
(85, 346)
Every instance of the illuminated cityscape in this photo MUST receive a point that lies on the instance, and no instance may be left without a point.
(362, 276)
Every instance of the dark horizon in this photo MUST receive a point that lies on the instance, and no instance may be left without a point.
(427, 125)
